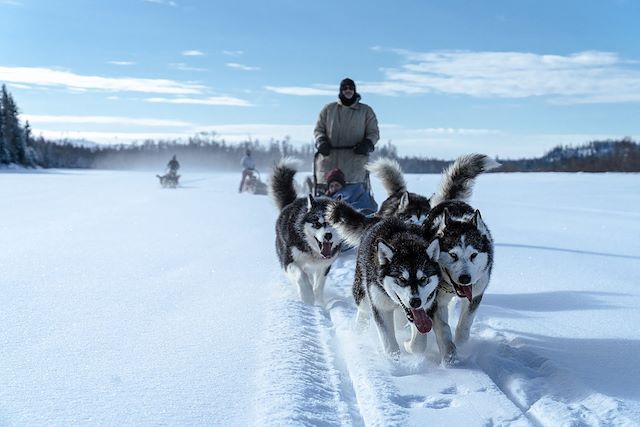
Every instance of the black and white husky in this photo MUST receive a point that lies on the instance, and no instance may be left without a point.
(306, 244)
(409, 207)
(466, 251)
(396, 271)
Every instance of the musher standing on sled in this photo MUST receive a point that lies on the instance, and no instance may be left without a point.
(345, 134)
(248, 165)
(173, 166)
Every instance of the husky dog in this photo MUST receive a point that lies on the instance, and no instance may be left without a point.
(396, 270)
(169, 180)
(466, 251)
(306, 244)
(409, 207)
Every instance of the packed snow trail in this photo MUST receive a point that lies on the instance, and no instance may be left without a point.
(326, 373)
(127, 304)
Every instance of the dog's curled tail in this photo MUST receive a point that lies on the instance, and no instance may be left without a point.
(348, 222)
(281, 185)
(458, 179)
(388, 171)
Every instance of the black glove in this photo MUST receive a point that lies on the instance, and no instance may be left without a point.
(363, 147)
(324, 148)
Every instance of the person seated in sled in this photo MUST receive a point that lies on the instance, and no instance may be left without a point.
(173, 166)
(248, 166)
(345, 134)
(335, 182)
(354, 194)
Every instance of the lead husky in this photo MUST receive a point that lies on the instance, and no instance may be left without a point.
(306, 244)
(466, 251)
(409, 207)
(396, 270)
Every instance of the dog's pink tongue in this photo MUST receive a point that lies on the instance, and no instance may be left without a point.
(467, 291)
(421, 320)
(326, 249)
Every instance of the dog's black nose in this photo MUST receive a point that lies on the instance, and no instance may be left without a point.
(415, 302)
(465, 279)
(328, 236)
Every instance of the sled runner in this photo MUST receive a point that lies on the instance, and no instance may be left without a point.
(358, 194)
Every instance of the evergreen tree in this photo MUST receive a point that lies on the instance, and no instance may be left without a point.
(12, 132)
(4, 153)
(30, 153)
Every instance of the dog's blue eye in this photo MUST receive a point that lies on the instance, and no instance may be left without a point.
(453, 256)
(473, 256)
(317, 225)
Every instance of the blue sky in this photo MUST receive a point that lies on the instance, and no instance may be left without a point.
(510, 78)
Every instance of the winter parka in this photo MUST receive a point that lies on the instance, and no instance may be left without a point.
(345, 126)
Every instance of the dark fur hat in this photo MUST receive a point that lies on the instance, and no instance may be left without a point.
(347, 82)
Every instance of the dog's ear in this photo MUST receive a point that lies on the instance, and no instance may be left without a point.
(404, 201)
(447, 217)
(310, 201)
(434, 250)
(385, 252)
(479, 223)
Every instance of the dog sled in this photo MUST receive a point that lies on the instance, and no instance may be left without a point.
(253, 183)
(358, 194)
(169, 180)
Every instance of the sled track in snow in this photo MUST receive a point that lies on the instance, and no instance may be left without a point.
(383, 387)
(301, 377)
(546, 394)
(321, 372)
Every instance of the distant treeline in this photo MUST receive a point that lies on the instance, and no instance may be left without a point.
(204, 151)
(596, 156)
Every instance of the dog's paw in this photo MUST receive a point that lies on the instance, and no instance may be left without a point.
(307, 298)
(394, 355)
(450, 360)
(415, 346)
(319, 301)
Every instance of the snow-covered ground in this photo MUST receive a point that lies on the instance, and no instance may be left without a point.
(123, 303)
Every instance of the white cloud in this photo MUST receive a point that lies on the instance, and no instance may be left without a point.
(262, 132)
(233, 52)
(163, 2)
(439, 131)
(299, 134)
(19, 86)
(583, 77)
(443, 143)
(184, 67)
(115, 120)
(192, 53)
(212, 100)
(76, 82)
(111, 137)
(301, 91)
(121, 62)
(241, 66)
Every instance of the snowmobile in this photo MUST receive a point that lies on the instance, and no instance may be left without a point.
(169, 180)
